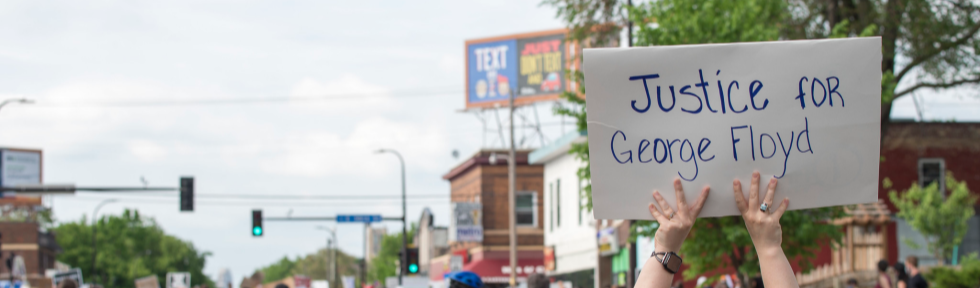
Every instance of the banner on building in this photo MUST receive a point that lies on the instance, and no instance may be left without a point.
(531, 65)
(467, 222)
(806, 112)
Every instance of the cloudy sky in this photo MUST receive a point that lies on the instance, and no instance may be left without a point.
(131, 89)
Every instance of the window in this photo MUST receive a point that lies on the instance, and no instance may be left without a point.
(551, 207)
(558, 202)
(932, 170)
(524, 209)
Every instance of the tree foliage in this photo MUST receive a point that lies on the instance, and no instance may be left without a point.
(967, 276)
(926, 44)
(129, 247)
(314, 265)
(941, 218)
(385, 264)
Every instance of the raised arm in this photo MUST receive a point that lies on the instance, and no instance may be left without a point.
(767, 236)
(673, 229)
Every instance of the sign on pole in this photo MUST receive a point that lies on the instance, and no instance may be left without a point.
(467, 222)
(178, 280)
(805, 112)
(73, 274)
(358, 218)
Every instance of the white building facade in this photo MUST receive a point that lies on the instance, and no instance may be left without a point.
(569, 229)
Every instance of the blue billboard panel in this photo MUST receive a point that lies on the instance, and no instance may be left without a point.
(492, 71)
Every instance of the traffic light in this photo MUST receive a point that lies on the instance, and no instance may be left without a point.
(256, 223)
(413, 261)
(187, 194)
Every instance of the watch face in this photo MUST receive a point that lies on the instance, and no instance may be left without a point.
(673, 263)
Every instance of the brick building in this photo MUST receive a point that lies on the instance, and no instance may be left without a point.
(480, 180)
(22, 236)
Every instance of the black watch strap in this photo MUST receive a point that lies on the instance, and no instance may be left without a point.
(671, 261)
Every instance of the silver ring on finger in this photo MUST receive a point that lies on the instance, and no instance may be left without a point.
(764, 207)
(671, 215)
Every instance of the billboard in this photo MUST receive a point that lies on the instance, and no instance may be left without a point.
(531, 65)
(20, 167)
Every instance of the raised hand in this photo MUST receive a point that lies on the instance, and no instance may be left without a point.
(675, 224)
(763, 226)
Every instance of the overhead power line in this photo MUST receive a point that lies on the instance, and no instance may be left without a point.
(426, 92)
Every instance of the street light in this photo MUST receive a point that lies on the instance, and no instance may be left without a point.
(403, 258)
(94, 222)
(19, 101)
(333, 253)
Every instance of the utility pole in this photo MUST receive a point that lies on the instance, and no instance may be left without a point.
(332, 270)
(511, 165)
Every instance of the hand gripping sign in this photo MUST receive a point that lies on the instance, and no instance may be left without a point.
(806, 112)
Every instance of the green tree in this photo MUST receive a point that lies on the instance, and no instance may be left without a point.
(673, 22)
(313, 265)
(941, 218)
(385, 264)
(129, 247)
(278, 270)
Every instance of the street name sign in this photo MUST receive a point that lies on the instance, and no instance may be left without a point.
(358, 218)
(805, 112)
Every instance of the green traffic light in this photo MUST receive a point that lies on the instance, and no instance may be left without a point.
(413, 268)
(256, 231)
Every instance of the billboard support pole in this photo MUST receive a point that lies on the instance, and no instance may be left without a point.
(511, 161)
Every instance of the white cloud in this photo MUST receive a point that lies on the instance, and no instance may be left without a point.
(320, 153)
(146, 151)
(356, 95)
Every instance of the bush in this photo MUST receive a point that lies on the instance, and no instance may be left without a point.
(967, 276)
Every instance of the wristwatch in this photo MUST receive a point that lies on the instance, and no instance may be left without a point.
(672, 262)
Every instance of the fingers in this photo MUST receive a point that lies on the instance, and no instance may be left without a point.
(663, 205)
(656, 213)
(782, 209)
(770, 192)
(700, 202)
(754, 190)
(679, 194)
(739, 197)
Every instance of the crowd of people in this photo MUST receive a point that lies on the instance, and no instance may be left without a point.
(907, 275)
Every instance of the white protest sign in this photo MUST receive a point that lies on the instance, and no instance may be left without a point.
(806, 112)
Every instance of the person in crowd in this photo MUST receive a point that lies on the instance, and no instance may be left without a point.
(464, 279)
(916, 280)
(68, 283)
(538, 280)
(902, 279)
(852, 283)
(884, 281)
(761, 221)
(280, 285)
